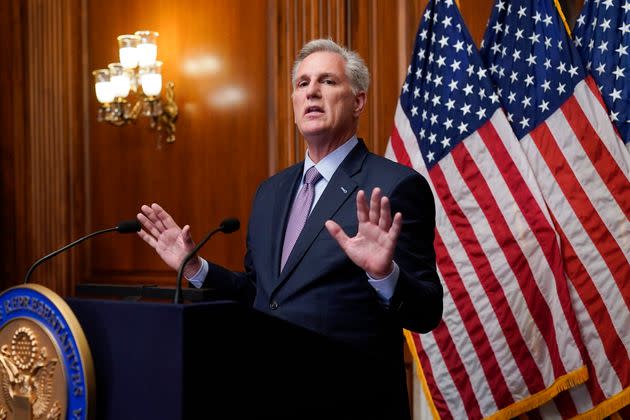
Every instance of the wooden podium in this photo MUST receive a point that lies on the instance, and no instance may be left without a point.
(218, 360)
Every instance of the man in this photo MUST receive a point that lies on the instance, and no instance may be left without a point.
(318, 254)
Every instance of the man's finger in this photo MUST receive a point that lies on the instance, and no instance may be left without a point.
(164, 218)
(337, 232)
(147, 238)
(148, 225)
(362, 207)
(396, 227)
(386, 214)
(375, 205)
(186, 238)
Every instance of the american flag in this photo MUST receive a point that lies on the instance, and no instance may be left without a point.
(507, 341)
(602, 37)
(581, 167)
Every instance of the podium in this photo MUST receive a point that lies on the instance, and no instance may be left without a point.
(219, 360)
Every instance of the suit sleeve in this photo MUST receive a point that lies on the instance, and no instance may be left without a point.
(417, 300)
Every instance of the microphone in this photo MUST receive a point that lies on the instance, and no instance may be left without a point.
(126, 226)
(227, 226)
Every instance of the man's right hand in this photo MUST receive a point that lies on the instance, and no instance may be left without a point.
(171, 242)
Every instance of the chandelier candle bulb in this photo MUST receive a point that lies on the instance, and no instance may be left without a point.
(119, 79)
(147, 47)
(128, 51)
(103, 86)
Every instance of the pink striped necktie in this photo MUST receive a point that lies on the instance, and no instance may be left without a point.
(299, 212)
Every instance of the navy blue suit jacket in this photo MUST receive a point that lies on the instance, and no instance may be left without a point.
(320, 288)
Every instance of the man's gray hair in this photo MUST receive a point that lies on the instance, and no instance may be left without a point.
(356, 70)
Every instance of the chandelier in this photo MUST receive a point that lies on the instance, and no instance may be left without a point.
(131, 88)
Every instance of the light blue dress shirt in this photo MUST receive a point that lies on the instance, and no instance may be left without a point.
(327, 167)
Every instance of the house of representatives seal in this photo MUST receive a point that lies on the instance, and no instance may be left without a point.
(46, 369)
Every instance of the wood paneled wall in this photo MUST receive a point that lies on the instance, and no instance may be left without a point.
(63, 174)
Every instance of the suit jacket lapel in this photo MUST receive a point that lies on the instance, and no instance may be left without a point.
(283, 202)
(337, 192)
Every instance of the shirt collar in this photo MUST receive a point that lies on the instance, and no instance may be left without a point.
(329, 164)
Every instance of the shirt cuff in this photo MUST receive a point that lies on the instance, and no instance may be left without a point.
(200, 276)
(385, 287)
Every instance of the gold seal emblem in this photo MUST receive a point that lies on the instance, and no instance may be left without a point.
(32, 384)
(46, 370)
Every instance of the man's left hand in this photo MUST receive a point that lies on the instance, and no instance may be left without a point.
(373, 247)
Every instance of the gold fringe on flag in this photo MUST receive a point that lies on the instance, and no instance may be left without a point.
(420, 373)
(608, 407)
(567, 381)
(564, 19)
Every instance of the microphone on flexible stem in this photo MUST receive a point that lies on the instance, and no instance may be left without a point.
(227, 226)
(126, 226)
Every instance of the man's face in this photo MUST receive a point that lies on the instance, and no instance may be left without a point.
(324, 106)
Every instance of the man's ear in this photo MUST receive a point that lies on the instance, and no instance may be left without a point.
(360, 100)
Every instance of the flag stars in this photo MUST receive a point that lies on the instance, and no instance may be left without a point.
(418, 73)
(573, 71)
(470, 70)
(622, 50)
(516, 55)
(560, 88)
(603, 46)
(580, 20)
(618, 72)
(436, 100)
(481, 113)
(453, 85)
(416, 92)
(514, 76)
(535, 38)
(537, 17)
(527, 101)
(448, 123)
(441, 61)
(450, 104)
(430, 156)
(406, 87)
(601, 68)
(422, 133)
(626, 7)
(547, 42)
(524, 123)
(434, 119)
(614, 116)
(625, 28)
(455, 65)
(561, 67)
(615, 94)
(529, 80)
(414, 111)
(547, 20)
(462, 127)
(459, 45)
(481, 73)
(547, 63)
(531, 60)
(443, 41)
(519, 34)
(546, 85)
(446, 142)
(605, 25)
(544, 106)
(465, 109)
(432, 138)
(437, 80)
(468, 89)
(446, 22)
(521, 11)
(511, 97)
(494, 98)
